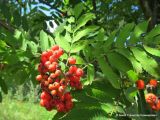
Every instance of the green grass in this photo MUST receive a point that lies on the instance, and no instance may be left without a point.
(17, 110)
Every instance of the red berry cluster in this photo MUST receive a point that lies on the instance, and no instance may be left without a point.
(141, 85)
(56, 83)
(151, 99)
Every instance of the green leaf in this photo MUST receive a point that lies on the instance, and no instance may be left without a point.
(20, 76)
(124, 34)
(71, 20)
(88, 53)
(108, 72)
(51, 41)
(77, 112)
(119, 62)
(90, 73)
(68, 37)
(78, 9)
(0, 97)
(12, 59)
(62, 42)
(152, 51)
(17, 34)
(133, 77)
(90, 101)
(64, 56)
(32, 46)
(3, 86)
(84, 19)
(110, 108)
(98, 90)
(138, 30)
(44, 43)
(63, 66)
(154, 32)
(79, 60)
(101, 35)
(109, 41)
(23, 45)
(84, 32)
(130, 93)
(3, 46)
(101, 117)
(68, 28)
(147, 62)
(76, 47)
(136, 65)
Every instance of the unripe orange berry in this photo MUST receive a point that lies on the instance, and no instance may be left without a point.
(54, 92)
(153, 82)
(61, 89)
(58, 73)
(39, 77)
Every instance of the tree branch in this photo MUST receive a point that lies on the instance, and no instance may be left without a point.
(6, 25)
(155, 10)
(148, 13)
(146, 9)
(94, 5)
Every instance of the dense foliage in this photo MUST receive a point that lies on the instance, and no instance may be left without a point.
(120, 63)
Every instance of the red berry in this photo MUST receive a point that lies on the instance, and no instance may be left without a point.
(51, 87)
(154, 107)
(58, 73)
(44, 54)
(153, 82)
(63, 82)
(158, 105)
(49, 108)
(72, 69)
(60, 52)
(71, 60)
(67, 96)
(45, 95)
(69, 105)
(46, 83)
(47, 64)
(49, 53)
(43, 102)
(52, 67)
(43, 59)
(140, 84)
(52, 59)
(52, 75)
(56, 85)
(79, 87)
(79, 72)
(55, 47)
(39, 77)
(60, 107)
(50, 80)
(55, 55)
(150, 98)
